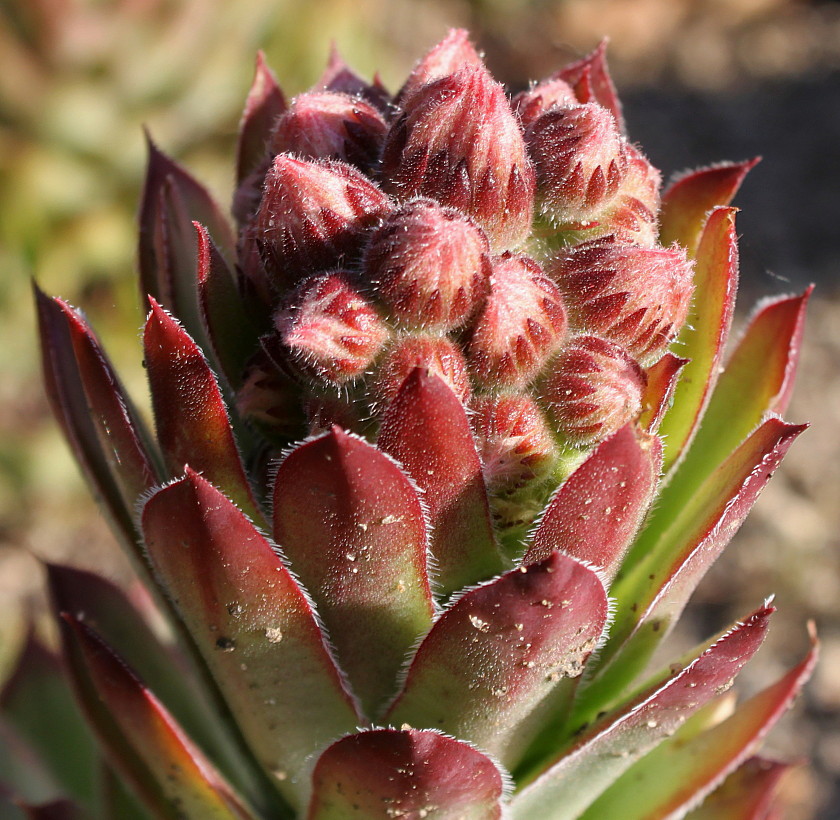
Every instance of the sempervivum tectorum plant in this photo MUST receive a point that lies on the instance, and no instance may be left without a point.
(415, 460)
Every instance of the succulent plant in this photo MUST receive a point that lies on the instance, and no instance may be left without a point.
(444, 439)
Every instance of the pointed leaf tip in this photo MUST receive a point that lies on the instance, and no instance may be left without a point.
(596, 512)
(253, 625)
(488, 668)
(427, 431)
(688, 200)
(169, 773)
(352, 526)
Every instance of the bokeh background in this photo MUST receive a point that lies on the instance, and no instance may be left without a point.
(702, 80)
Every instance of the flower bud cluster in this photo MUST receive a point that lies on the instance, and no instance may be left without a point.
(395, 233)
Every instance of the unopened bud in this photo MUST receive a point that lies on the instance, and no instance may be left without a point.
(594, 389)
(530, 105)
(632, 216)
(330, 125)
(514, 441)
(451, 54)
(579, 159)
(429, 265)
(437, 354)
(458, 141)
(633, 295)
(521, 325)
(314, 216)
(330, 330)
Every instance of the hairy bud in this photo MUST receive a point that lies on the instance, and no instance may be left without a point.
(514, 440)
(458, 141)
(633, 295)
(580, 161)
(633, 216)
(331, 125)
(437, 354)
(429, 265)
(451, 54)
(521, 325)
(330, 330)
(314, 215)
(594, 389)
(530, 105)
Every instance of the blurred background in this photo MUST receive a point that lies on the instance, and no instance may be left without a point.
(701, 80)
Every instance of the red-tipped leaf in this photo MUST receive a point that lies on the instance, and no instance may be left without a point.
(95, 413)
(253, 625)
(165, 768)
(697, 765)
(265, 103)
(351, 524)
(597, 756)
(747, 794)
(596, 512)
(193, 426)
(652, 594)
(427, 431)
(487, 670)
(688, 200)
(703, 338)
(658, 395)
(171, 201)
(590, 78)
(385, 773)
(230, 326)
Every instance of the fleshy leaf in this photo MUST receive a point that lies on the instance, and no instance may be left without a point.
(351, 524)
(253, 625)
(658, 396)
(37, 702)
(596, 512)
(385, 774)
(193, 426)
(172, 200)
(688, 200)
(94, 412)
(758, 379)
(703, 338)
(426, 430)
(265, 103)
(487, 670)
(652, 594)
(602, 752)
(697, 765)
(167, 770)
(108, 610)
(747, 794)
(591, 80)
(230, 328)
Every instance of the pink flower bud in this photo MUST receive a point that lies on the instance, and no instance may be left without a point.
(579, 159)
(329, 125)
(429, 265)
(437, 354)
(591, 80)
(521, 325)
(632, 216)
(314, 215)
(451, 54)
(458, 141)
(330, 330)
(594, 389)
(531, 104)
(515, 444)
(635, 296)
